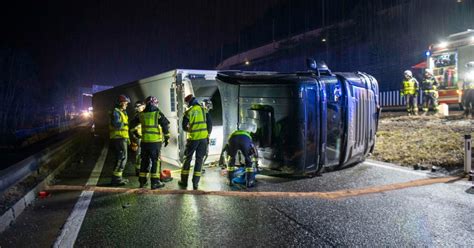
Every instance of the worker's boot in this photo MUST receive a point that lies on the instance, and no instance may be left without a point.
(118, 181)
(143, 181)
(156, 184)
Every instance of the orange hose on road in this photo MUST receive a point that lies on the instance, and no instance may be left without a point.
(323, 195)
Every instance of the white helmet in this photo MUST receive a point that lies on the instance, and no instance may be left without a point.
(408, 73)
(428, 70)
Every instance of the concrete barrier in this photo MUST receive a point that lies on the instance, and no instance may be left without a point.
(18, 172)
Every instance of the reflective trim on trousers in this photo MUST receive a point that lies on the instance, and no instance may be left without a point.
(117, 173)
(249, 169)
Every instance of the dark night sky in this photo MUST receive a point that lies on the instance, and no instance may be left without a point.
(113, 42)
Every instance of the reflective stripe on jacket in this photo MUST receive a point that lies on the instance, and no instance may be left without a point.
(429, 84)
(151, 131)
(410, 86)
(197, 123)
(121, 133)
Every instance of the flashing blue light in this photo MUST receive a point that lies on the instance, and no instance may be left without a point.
(428, 53)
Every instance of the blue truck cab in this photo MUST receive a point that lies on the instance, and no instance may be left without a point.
(305, 120)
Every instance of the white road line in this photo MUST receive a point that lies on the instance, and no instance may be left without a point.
(464, 183)
(73, 224)
(395, 168)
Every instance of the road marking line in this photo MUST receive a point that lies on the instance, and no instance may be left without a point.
(325, 195)
(70, 229)
(395, 168)
(424, 174)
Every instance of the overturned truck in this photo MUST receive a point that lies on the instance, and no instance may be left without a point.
(305, 120)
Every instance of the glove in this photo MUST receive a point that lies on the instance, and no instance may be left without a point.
(166, 142)
(436, 95)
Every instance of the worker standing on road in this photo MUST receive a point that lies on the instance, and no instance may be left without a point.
(410, 91)
(118, 132)
(155, 132)
(468, 91)
(136, 136)
(242, 140)
(197, 123)
(429, 86)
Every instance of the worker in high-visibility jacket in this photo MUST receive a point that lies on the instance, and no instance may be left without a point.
(468, 91)
(241, 140)
(119, 138)
(429, 86)
(198, 125)
(136, 136)
(155, 133)
(410, 91)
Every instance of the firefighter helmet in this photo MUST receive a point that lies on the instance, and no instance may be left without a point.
(151, 100)
(408, 73)
(189, 98)
(428, 70)
(123, 98)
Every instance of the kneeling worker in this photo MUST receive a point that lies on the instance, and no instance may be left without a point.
(152, 137)
(242, 140)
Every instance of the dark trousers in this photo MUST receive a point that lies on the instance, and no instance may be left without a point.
(120, 149)
(198, 146)
(468, 102)
(150, 154)
(244, 144)
(430, 100)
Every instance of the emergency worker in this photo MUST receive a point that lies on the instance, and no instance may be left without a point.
(468, 91)
(410, 91)
(241, 140)
(136, 136)
(429, 86)
(151, 119)
(198, 125)
(119, 138)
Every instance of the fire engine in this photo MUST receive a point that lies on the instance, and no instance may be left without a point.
(447, 59)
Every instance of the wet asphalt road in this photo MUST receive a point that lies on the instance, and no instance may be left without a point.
(437, 215)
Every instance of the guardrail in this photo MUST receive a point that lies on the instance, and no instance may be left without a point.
(24, 168)
(30, 136)
(45, 165)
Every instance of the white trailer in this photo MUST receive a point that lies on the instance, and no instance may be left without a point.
(170, 88)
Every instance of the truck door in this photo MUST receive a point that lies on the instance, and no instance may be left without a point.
(334, 121)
